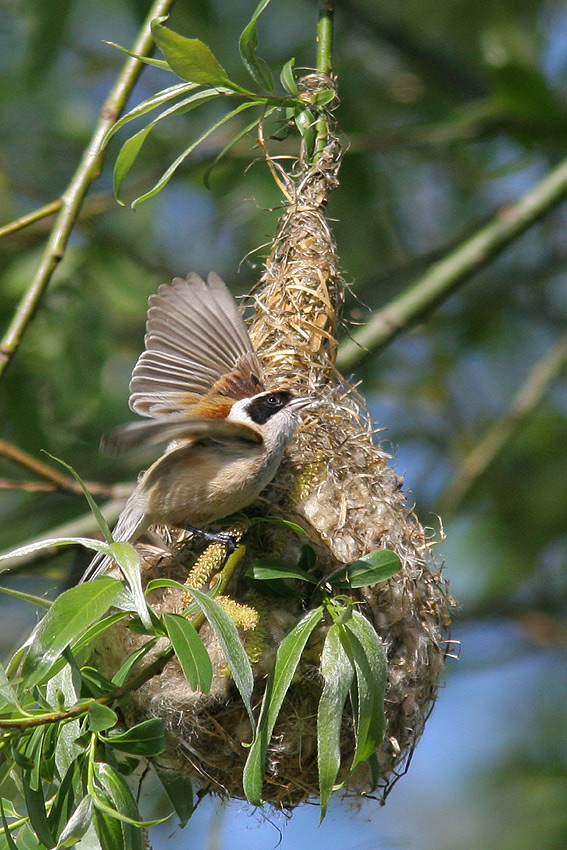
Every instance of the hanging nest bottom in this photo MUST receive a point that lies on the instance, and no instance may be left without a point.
(338, 485)
(207, 734)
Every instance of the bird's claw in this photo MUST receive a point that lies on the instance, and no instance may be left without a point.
(225, 537)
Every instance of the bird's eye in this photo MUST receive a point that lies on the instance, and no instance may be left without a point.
(272, 400)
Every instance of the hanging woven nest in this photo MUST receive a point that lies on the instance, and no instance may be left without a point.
(336, 482)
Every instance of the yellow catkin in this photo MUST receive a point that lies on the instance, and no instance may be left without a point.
(211, 561)
(254, 643)
(244, 616)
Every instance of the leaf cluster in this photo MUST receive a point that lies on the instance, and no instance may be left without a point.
(65, 756)
(206, 80)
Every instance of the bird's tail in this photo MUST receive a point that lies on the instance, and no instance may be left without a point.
(128, 528)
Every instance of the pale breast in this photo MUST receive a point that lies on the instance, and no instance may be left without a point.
(199, 484)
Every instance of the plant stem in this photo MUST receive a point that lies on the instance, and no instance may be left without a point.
(56, 478)
(456, 268)
(324, 65)
(30, 218)
(154, 668)
(527, 398)
(325, 37)
(72, 198)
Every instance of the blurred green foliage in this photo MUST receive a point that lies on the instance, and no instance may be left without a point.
(451, 111)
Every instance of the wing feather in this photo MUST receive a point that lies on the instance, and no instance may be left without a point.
(168, 429)
(196, 342)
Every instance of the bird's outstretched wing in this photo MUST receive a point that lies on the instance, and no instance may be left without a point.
(170, 428)
(196, 345)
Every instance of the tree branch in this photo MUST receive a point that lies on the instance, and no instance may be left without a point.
(72, 198)
(456, 268)
(475, 464)
(30, 218)
(53, 476)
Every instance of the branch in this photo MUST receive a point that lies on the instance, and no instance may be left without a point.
(72, 198)
(498, 435)
(53, 476)
(154, 668)
(456, 268)
(30, 218)
(325, 37)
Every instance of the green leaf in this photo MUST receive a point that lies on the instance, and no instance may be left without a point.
(147, 60)
(147, 105)
(277, 587)
(131, 148)
(308, 558)
(281, 523)
(145, 739)
(190, 652)
(120, 794)
(306, 124)
(65, 802)
(366, 654)
(66, 685)
(374, 766)
(88, 637)
(168, 174)
(98, 684)
(122, 805)
(369, 570)
(30, 548)
(248, 45)
(72, 613)
(77, 825)
(288, 80)
(179, 791)
(34, 751)
(234, 653)
(7, 693)
(231, 143)
(283, 671)
(35, 805)
(324, 97)
(264, 569)
(190, 58)
(102, 523)
(101, 717)
(126, 158)
(38, 601)
(338, 674)
(128, 560)
(126, 668)
(108, 828)
(7, 834)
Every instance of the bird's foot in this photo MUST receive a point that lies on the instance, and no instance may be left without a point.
(225, 537)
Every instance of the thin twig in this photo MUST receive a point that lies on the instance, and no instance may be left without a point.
(97, 203)
(154, 668)
(72, 198)
(456, 268)
(530, 394)
(325, 37)
(30, 218)
(56, 478)
(324, 64)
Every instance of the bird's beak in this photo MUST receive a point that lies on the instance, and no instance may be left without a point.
(302, 401)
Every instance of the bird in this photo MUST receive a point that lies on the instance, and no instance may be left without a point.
(201, 383)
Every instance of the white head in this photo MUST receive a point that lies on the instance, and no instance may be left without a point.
(274, 414)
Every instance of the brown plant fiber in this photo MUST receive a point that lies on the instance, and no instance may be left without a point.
(337, 483)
